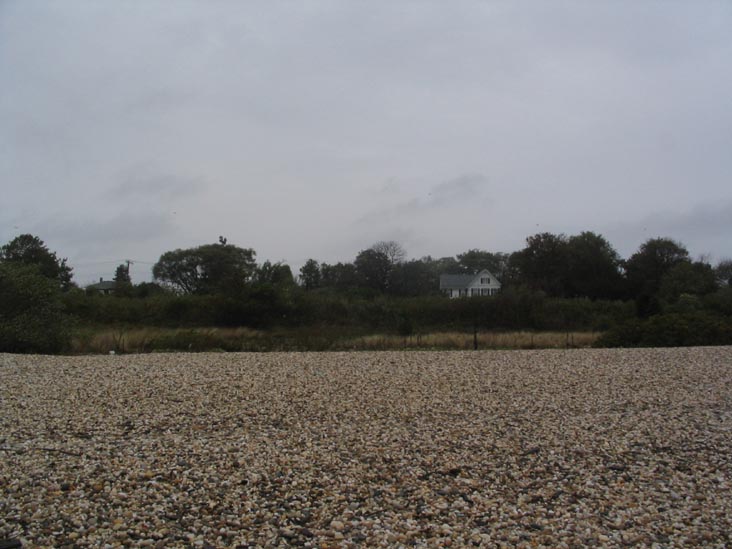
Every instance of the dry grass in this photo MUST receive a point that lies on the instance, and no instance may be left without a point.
(144, 340)
(486, 340)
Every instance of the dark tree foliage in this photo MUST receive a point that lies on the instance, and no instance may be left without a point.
(31, 250)
(207, 269)
(372, 269)
(122, 274)
(276, 274)
(341, 276)
(542, 264)
(723, 271)
(414, 278)
(310, 276)
(474, 261)
(593, 268)
(31, 315)
(122, 281)
(696, 278)
(645, 268)
(148, 289)
(444, 265)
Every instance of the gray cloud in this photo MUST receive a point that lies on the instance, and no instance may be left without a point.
(153, 188)
(467, 190)
(313, 129)
(703, 229)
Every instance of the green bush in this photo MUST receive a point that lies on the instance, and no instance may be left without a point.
(31, 314)
(670, 330)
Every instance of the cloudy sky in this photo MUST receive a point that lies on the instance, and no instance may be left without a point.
(313, 129)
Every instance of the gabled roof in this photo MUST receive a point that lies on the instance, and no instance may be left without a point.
(103, 285)
(452, 281)
(455, 281)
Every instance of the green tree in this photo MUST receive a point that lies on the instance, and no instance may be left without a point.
(696, 278)
(593, 268)
(414, 278)
(645, 268)
(122, 281)
(341, 276)
(31, 315)
(276, 274)
(475, 260)
(443, 265)
(543, 263)
(310, 276)
(122, 274)
(207, 269)
(372, 269)
(723, 270)
(31, 250)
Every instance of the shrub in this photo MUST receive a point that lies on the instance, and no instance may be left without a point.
(670, 330)
(31, 315)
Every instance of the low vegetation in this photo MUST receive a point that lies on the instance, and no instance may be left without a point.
(216, 297)
(144, 340)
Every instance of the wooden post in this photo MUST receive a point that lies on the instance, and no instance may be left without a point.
(475, 337)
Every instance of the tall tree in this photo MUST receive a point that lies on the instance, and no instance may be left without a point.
(697, 278)
(341, 276)
(31, 250)
(723, 270)
(655, 257)
(542, 264)
(31, 313)
(593, 268)
(476, 260)
(207, 269)
(310, 276)
(372, 269)
(122, 274)
(276, 274)
(414, 278)
(392, 250)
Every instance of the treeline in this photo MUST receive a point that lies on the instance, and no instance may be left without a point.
(554, 283)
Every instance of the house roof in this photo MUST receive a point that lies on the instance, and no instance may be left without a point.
(103, 285)
(453, 281)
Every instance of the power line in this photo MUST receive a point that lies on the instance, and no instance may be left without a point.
(108, 261)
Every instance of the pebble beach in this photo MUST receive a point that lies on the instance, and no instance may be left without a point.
(555, 448)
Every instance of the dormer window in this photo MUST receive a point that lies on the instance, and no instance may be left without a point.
(485, 280)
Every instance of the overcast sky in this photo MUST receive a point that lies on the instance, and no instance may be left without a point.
(315, 128)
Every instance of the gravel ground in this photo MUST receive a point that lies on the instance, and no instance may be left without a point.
(516, 448)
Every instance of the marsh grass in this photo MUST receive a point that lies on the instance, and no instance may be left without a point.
(485, 340)
(150, 339)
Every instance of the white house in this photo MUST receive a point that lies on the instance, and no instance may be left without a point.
(482, 283)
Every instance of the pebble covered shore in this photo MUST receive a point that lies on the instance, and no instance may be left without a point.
(575, 448)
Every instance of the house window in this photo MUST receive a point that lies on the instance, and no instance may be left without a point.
(485, 291)
(494, 291)
(485, 280)
(474, 291)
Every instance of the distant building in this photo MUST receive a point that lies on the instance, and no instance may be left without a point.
(105, 287)
(483, 283)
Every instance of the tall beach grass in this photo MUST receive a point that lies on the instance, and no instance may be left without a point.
(151, 339)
